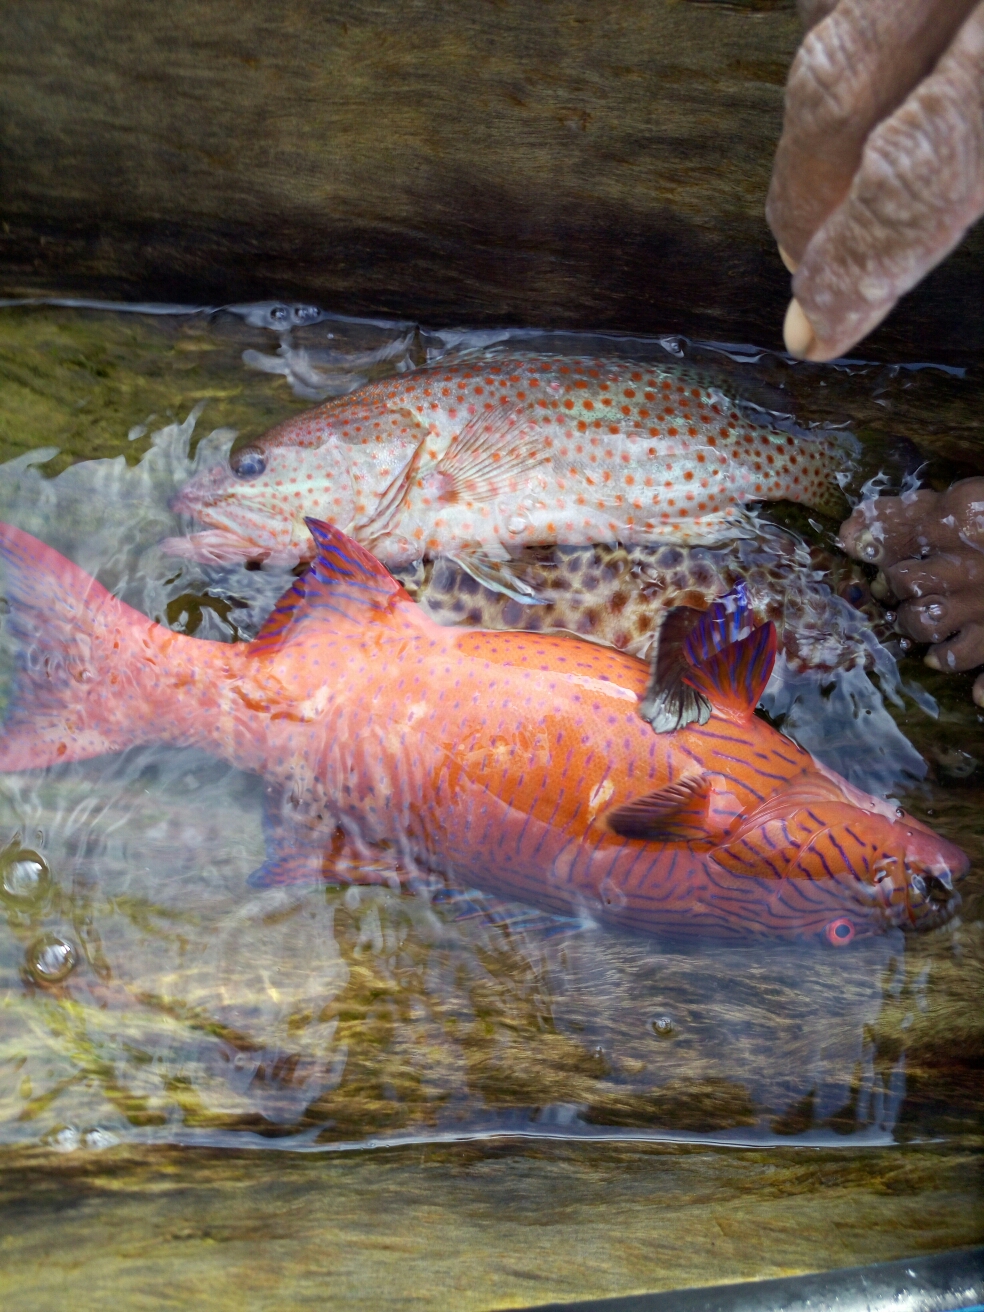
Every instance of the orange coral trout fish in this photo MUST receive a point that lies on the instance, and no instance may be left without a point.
(475, 458)
(512, 762)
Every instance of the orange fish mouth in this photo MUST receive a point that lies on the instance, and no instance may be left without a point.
(931, 899)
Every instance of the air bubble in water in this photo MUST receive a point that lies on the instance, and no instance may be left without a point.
(662, 1026)
(24, 875)
(50, 959)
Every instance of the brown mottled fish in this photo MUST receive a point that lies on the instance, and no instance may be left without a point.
(820, 604)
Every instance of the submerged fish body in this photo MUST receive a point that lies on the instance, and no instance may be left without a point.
(512, 762)
(479, 457)
(619, 596)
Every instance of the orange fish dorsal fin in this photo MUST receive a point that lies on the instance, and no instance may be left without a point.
(676, 813)
(730, 662)
(345, 584)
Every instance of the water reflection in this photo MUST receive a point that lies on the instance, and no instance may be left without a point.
(196, 1006)
(147, 993)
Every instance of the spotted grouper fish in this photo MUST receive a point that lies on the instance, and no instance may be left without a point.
(476, 458)
(513, 762)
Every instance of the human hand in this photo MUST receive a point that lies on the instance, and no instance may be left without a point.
(929, 548)
(880, 169)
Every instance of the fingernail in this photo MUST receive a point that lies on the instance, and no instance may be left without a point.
(932, 660)
(797, 331)
(978, 690)
(788, 260)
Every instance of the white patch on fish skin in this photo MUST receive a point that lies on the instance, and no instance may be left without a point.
(603, 686)
(600, 795)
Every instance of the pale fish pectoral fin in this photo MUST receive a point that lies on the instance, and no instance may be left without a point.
(495, 450)
(497, 576)
(394, 496)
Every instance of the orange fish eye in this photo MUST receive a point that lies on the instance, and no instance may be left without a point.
(839, 932)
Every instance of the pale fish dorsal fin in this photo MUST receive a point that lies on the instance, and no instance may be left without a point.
(493, 449)
(345, 585)
(675, 813)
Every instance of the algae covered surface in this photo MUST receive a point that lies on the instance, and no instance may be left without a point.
(453, 1102)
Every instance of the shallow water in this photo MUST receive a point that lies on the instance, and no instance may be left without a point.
(149, 997)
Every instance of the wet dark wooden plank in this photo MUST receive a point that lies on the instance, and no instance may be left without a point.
(580, 163)
(462, 1227)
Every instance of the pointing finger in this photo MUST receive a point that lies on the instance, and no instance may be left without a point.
(853, 69)
(919, 187)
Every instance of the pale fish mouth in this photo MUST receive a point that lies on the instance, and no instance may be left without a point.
(191, 501)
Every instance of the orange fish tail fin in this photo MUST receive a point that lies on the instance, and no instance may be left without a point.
(730, 662)
(77, 655)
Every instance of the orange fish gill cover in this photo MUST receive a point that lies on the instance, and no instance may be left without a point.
(476, 458)
(514, 762)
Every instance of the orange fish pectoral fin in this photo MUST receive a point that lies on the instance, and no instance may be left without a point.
(494, 447)
(310, 866)
(307, 846)
(674, 814)
(346, 584)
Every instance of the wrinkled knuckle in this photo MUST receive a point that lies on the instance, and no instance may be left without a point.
(822, 81)
(929, 153)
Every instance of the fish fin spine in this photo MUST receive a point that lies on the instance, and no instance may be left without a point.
(87, 665)
(496, 576)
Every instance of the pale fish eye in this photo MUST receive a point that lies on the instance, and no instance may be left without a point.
(248, 462)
